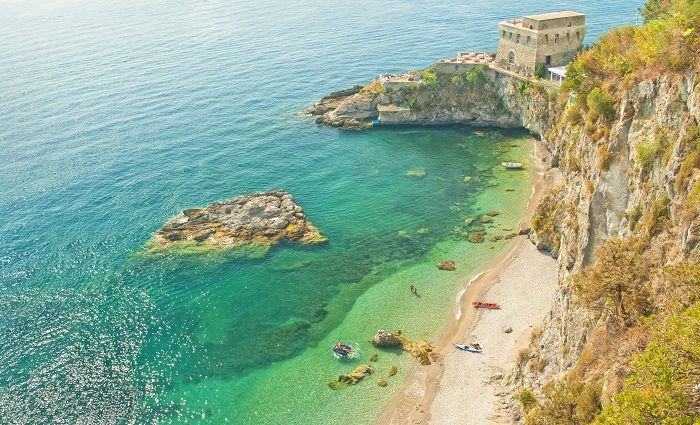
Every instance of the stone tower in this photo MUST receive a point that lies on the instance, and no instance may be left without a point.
(552, 39)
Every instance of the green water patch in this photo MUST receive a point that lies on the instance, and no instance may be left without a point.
(262, 330)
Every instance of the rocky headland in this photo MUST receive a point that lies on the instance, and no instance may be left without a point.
(259, 219)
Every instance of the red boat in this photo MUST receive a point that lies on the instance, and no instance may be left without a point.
(481, 304)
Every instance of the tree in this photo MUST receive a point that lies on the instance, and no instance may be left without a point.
(663, 388)
(540, 70)
(618, 281)
(568, 402)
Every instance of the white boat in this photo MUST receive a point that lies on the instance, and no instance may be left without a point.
(472, 348)
(512, 165)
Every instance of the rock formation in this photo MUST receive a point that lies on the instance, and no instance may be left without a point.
(356, 375)
(385, 339)
(448, 265)
(260, 218)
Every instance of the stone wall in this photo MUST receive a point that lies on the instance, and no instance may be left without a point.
(522, 43)
(562, 44)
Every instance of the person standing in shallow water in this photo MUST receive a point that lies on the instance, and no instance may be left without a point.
(413, 289)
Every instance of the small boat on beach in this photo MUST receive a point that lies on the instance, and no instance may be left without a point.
(376, 121)
(472, 348)
(512, 165)
(341, 350)
(490, 306)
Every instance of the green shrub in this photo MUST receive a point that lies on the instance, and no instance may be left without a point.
(540, 70)
(527, 399)
(662, 387)
(600, 104)
(569, 401)
(429, 78)
(647, 151)
(476, 77)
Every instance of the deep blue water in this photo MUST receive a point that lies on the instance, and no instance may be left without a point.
(117, 115)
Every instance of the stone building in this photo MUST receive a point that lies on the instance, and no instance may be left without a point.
(552, 39)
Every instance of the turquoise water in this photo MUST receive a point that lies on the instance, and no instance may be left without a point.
(117, 115)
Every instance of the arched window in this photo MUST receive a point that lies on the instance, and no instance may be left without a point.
(511, 57)
(556, 38)
(569, 23)
(530, 26)
(517, 38)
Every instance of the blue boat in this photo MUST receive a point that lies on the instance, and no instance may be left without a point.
(376, 122)
(342, 350)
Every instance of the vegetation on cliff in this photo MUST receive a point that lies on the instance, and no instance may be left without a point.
(641, 360)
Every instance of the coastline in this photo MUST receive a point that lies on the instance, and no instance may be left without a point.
(432, 394)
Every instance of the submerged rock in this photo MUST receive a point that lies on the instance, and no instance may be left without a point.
(477, 237)
(356, 375)
(421, 350)
(417, 172)
(258, 219)
(385, 339)
(448, 265)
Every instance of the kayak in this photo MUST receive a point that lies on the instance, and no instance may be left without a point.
(481, 304)
(472, 348)
(512, 165)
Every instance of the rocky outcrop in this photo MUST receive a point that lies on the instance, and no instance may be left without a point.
(260, 218)
(448, 265)
(385, 339)
(482, 97)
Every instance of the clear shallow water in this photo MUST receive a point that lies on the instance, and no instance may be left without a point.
(117, 115)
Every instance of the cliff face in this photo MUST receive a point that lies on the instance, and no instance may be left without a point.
(632, 176)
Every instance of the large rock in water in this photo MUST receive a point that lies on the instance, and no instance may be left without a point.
(385, 339)
(261, 218)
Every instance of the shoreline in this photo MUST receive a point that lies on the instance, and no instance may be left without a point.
(414, 401)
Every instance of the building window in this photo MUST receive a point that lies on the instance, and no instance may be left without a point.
(504, 34)
(556, 38)
(568, 37)
(569, 23)
(528, 40)
(517, 38)
(530, 26)
(511, 57)
(578, 35)
(510, 35)
(546, 38)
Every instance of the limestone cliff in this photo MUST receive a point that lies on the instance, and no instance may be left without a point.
(629, 176)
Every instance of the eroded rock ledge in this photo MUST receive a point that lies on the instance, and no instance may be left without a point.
(259, 219)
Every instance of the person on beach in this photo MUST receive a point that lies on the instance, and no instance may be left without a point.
(413, 289)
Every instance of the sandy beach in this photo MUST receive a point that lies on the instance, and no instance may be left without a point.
(468, 388)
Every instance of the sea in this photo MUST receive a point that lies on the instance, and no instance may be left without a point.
(116, 115)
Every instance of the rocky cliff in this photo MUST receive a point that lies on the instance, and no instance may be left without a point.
(479, 97)
(633, 175)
